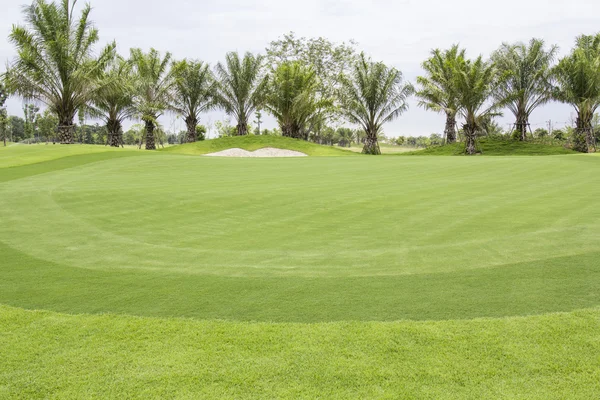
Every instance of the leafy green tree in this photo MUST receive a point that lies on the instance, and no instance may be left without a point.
(292, 98)
(16, 126)
(540, 133)
(240, 87)
(400, 140)
(152, 89)
(527, 78)
(475, 83)
(55, 63)
(436, 90)
(559, 134)
(435, 139)
(578, 79)
(193, 93)
(47, 124)
(327, 59)
(200, 132)
(114, 103)
(371, 96)
(30, 111)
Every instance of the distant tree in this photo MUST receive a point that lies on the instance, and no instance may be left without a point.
(371, 96)
(345, 136)
(328, 136)
(258, 121)
(225, 129)
(411, 141)
(47, 124)
(436, 91)
(193, 93)
(30, 111)
(540, 133)
(559, 134)
(400, 140)
(16, 126)
(152, 89)
(435, 139)
(578, 79)
(55, 64)
(200, 132)
(474, 84)
(240, 87)
(527, 79)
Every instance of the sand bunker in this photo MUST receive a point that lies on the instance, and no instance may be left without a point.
(264, 152)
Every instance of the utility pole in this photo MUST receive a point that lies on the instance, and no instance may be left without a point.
(549, 127)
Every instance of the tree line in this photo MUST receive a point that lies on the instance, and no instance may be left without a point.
(306, 84)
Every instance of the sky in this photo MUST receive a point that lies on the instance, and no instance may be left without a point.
(400, 33)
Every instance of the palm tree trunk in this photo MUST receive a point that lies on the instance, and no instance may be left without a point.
(450, 130)
(65, 132)
(242, 128)
(371, 144)
(583, 139)
(150, 145)
(191, 122)
(114, 130)
(521, 126)
(470, 139)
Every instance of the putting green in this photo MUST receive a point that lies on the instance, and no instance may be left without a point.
(302, 240)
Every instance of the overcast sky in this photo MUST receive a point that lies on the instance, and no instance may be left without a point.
(400, 33)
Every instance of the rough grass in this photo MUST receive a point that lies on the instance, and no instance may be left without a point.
(252, 142)
(299, 277)
(490, 147)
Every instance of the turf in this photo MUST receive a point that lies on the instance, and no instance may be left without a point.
(298, 277)
(490, 147)
(252, 142)
(49, 355)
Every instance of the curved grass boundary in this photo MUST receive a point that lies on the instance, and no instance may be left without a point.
(57, 164)
(556, 284)
(253, 142)
(50, 355)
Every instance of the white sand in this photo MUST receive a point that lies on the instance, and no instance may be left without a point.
(264, 152)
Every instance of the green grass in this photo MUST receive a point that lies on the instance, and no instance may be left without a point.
(490, 147)
(252, 142)
(24, 154)
(49, 355)
(352, 277)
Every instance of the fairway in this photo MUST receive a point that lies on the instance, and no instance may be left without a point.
(321, 253)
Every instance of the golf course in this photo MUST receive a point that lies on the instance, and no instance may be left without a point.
(132, 274)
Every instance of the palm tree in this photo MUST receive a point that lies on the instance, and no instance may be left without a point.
(436, 89)
(153, 86)
(345, 136)
(527, 81)
(114, 103)
(373, 95)
(240, 87)
(292, 98)
(578, 79)
(55, 63)
(192, 93)
(475, 82)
